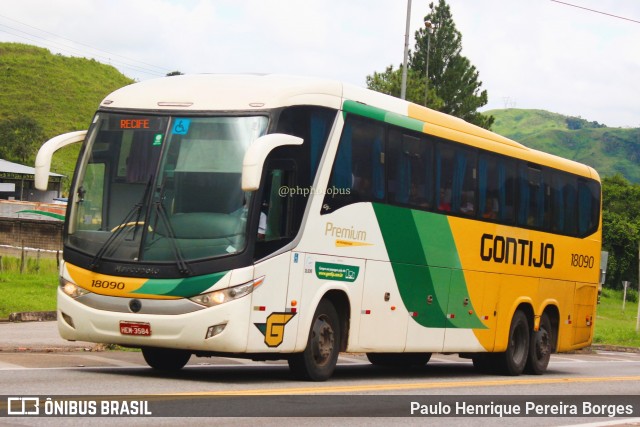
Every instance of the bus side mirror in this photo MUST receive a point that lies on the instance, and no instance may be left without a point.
(256, 155)
(43, 159)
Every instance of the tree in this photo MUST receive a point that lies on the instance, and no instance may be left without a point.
(620, 229)
(390, 82)
(454, 87)
(19, 139)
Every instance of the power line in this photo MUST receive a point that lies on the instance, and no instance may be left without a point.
(65, 47)
(69, 50)
(596, 11)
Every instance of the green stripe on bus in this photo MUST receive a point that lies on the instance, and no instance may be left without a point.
(426, 267)
(364, 110)
(382, 115)
(186, 288)
(405, 122)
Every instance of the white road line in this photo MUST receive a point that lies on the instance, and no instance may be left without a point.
(113, 362)
(567, 359)
(625, 421)
(4, 366)
(438, 360)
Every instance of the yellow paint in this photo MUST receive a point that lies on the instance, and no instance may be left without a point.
(345, 243)
(104, 284)
(497, 288)
(275, 328)
(412, 386)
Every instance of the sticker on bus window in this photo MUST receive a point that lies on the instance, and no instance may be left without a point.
(157, 139)
(181, 126)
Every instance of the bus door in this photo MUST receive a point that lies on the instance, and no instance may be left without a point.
(275, 324)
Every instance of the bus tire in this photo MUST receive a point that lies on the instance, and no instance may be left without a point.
(399, 360)
(318, 360)
(165, 359)
(515, 358)
(540, 347)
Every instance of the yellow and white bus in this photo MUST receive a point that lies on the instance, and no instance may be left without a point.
(275, 217)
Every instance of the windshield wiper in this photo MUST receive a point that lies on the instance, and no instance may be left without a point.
(161, 213)
(117, 231)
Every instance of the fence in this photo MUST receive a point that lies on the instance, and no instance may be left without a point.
(18, 234)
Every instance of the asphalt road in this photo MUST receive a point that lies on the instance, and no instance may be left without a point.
(34, 361)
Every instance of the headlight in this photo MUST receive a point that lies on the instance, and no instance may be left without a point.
(211, 299)
(71, 289)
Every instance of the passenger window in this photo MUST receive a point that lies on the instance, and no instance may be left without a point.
(531, 212)
(456, 175)
(358, 171)
(589, 201)
(410, 170)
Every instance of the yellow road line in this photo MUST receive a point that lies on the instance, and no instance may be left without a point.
(408, 386)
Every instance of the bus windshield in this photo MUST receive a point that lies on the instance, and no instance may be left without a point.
(162, 189)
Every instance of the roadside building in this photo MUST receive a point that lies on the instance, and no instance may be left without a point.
(17, 183)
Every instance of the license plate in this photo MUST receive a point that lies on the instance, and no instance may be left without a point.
(135, 328)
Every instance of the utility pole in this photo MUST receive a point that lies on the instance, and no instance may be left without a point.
(403, 89)
(430, 27)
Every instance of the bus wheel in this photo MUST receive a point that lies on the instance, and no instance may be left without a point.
(399, 360)
(515, 358)
(165, 359)
(540, 347)
(318, 361)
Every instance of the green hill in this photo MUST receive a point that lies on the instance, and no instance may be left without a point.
(60, 93)
(608, 150)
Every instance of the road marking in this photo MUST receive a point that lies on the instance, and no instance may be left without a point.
(409, 386)
(568, 359)
(439, 360)
(110, 361)
(352, 360)
(10, 366)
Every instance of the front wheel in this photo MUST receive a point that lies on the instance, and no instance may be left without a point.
(318, 360)
(165, 359)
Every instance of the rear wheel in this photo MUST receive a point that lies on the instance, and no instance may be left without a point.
(318, 360)
(165, 359)
(514, 359)
(408, 360)
(540, 346)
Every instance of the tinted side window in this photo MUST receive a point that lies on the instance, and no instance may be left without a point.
(456, 175)
(358, 171)
(410, 170)
(496, 195)
(589, 206)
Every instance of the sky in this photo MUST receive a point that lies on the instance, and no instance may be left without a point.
(540, 54)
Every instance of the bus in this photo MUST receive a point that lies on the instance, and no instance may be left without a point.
(278, 217)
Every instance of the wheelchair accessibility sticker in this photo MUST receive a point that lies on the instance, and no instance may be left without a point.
(181, 126)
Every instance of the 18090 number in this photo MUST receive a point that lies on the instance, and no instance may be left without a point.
(105, 284)
(582, 261)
